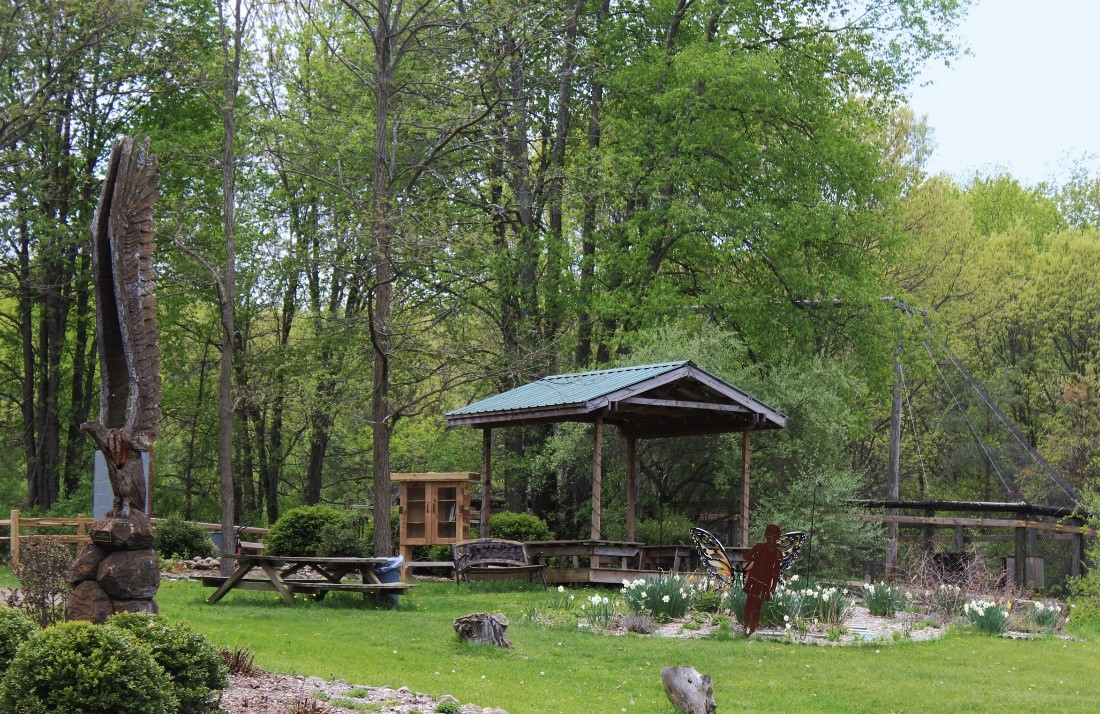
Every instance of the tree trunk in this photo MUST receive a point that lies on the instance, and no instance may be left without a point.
(383, 220)
(231, 67)
(687, 689)
(483, 629)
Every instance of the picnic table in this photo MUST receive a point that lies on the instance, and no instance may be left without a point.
(280, 571)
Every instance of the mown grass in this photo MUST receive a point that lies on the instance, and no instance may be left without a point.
(564, 669)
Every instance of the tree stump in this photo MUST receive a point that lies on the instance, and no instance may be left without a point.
(483, 628)
(687, 689)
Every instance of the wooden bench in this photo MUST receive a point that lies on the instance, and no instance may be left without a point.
(494, 557)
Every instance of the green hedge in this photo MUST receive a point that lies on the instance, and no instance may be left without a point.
(519, 526)
(192, 663)
(303, 531)
(81, 668)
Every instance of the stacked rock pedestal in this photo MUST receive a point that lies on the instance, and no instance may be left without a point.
(116, 572)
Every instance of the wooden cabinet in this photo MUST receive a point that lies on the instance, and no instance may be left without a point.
(435, 508)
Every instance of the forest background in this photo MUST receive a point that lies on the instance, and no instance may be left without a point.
(374, 212)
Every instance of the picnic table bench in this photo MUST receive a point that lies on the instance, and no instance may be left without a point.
(279, 572)
(494, 557)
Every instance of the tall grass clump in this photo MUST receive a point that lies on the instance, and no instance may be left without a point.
(599, 611)
(664, 598)
(881, 599)
(986, 617)
(946, 600)
(784, 608)
(830, 606)
(1043, 616)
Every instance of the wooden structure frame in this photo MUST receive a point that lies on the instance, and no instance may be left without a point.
(643, 402)
(1026, 529)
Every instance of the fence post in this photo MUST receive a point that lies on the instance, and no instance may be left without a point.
(80, 524)
(14, 538)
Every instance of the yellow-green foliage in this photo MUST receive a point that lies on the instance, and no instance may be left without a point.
(193, 665)
(81, 668)
(15, 628)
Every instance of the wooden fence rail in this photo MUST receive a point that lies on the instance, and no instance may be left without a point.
(81, 526)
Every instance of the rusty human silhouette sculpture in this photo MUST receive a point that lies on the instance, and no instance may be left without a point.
(761, 576)
(763, 570)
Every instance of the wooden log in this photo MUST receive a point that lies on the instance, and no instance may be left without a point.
(687, 689)
(483, 628)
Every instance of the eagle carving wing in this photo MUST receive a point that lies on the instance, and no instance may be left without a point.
(126, 320)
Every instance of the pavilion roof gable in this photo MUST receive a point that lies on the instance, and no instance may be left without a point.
(673, 397)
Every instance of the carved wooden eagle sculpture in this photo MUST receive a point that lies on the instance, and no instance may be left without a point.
(126, 321)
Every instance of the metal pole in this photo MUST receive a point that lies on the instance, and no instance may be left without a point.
(810, 547)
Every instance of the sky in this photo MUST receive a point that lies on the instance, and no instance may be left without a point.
(1027, 97)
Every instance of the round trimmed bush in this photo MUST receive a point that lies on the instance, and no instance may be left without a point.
(176, 538)
(81, 668)
(192, 663)
(299, 531)
(15, 628)
(341, 539)
(519, 526)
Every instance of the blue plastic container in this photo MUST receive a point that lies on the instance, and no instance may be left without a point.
(389, 573)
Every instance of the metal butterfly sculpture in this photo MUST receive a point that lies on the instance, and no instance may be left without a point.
(720, 567)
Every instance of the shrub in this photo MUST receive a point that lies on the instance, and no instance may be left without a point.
(439, 553)
(881, 599)
(15, 628)
(81, 668)
(341, 538)
(43, 579)
(519, 526)
(665, 597)
(987, 617)
(192, 663)
(179, 539)
(674, 529)
(710, 600)
(298, 531)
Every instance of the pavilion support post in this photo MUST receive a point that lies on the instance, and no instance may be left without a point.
(597, 478)
(631, 476)
(1076, 554)
(745, 489)
(1021, 559)
(486, 479)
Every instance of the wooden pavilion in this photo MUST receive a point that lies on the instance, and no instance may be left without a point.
(643, 402)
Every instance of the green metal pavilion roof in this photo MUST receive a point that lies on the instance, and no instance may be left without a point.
(668, 399)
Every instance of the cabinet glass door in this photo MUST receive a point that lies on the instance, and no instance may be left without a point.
(447, 513)
(416, 512)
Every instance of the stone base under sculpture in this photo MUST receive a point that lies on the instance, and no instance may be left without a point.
(116, 572)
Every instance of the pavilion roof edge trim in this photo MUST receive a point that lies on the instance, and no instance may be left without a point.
(575, 395)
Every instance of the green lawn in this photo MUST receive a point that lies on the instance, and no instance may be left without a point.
(565, 670)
